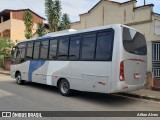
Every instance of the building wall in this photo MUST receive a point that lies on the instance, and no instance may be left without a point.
(155, 17)
(19, 16)
(108, 12)
(17, 33)
(15, 25)
(5, 26)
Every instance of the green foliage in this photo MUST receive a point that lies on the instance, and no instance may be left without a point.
(53, 14)
(28, 21)
(57, 15)
(5, 47)
(49, 13)
(1, 63)
(65, 22)
(40, 29)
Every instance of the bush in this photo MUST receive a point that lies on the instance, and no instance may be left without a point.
(5, 47)
(1, 64)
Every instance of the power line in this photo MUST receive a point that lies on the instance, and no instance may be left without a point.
(27, 4)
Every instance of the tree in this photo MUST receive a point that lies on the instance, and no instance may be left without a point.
(5, 47)
(57, 15)
(28, 21)
(40, 29)
(65, 22)
(53, 14)
(49, 7)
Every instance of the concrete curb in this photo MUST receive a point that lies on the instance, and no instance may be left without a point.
(153, 98)
(1, 72)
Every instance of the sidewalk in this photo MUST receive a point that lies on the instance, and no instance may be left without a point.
(144, 94)
(4, 72)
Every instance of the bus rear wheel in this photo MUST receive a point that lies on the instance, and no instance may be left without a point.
(19, 80)
(64, 88)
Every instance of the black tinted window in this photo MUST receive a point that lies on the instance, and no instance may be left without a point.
(21, 53)
(104, 46)
(53, 49)
(18, 53)
(63, 48)
(74, 48)
(36, 50)
(134, 42)
(29, 50)
(44, 49)
(88, 47)
(21, 50)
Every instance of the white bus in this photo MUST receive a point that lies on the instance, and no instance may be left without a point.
(106, 59)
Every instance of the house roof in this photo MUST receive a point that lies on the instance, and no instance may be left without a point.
(148, 5)
(156, 13)
(11, 10)
(109, 1)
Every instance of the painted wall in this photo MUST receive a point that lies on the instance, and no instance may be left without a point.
(17, 33)
(5, 26)
(19, 16)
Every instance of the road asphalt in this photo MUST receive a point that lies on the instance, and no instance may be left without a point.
(38, 97)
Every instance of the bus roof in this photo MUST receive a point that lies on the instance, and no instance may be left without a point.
(73, 31)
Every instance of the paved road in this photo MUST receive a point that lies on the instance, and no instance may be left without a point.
(37, 97)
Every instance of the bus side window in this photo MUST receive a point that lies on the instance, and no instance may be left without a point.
(53, 49)
(74, 48)
(88, 46)
(36, 50)
(29, 50)
(15, 53)
(20, 51)
(104, 45)
(63, 48)
(44, 49)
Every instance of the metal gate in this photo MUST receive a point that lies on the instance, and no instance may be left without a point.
(156, 60)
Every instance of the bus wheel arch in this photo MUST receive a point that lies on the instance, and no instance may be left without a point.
(64, 87)
(17, 72)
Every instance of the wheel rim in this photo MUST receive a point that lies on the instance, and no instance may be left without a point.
(19, 79)
(64, 87)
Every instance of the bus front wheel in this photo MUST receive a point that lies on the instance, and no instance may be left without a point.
(64, 88)
(19, 80)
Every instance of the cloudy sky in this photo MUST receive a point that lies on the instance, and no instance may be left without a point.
(72, 7)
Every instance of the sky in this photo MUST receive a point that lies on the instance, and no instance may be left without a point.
(72, 7)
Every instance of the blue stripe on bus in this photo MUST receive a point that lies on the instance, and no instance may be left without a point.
(34, 65)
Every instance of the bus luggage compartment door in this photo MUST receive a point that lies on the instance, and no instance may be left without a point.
(95, 83)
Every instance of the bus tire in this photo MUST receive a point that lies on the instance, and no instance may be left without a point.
(64, 88)
(19, 80)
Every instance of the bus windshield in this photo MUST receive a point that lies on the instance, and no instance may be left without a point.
(134, 42)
